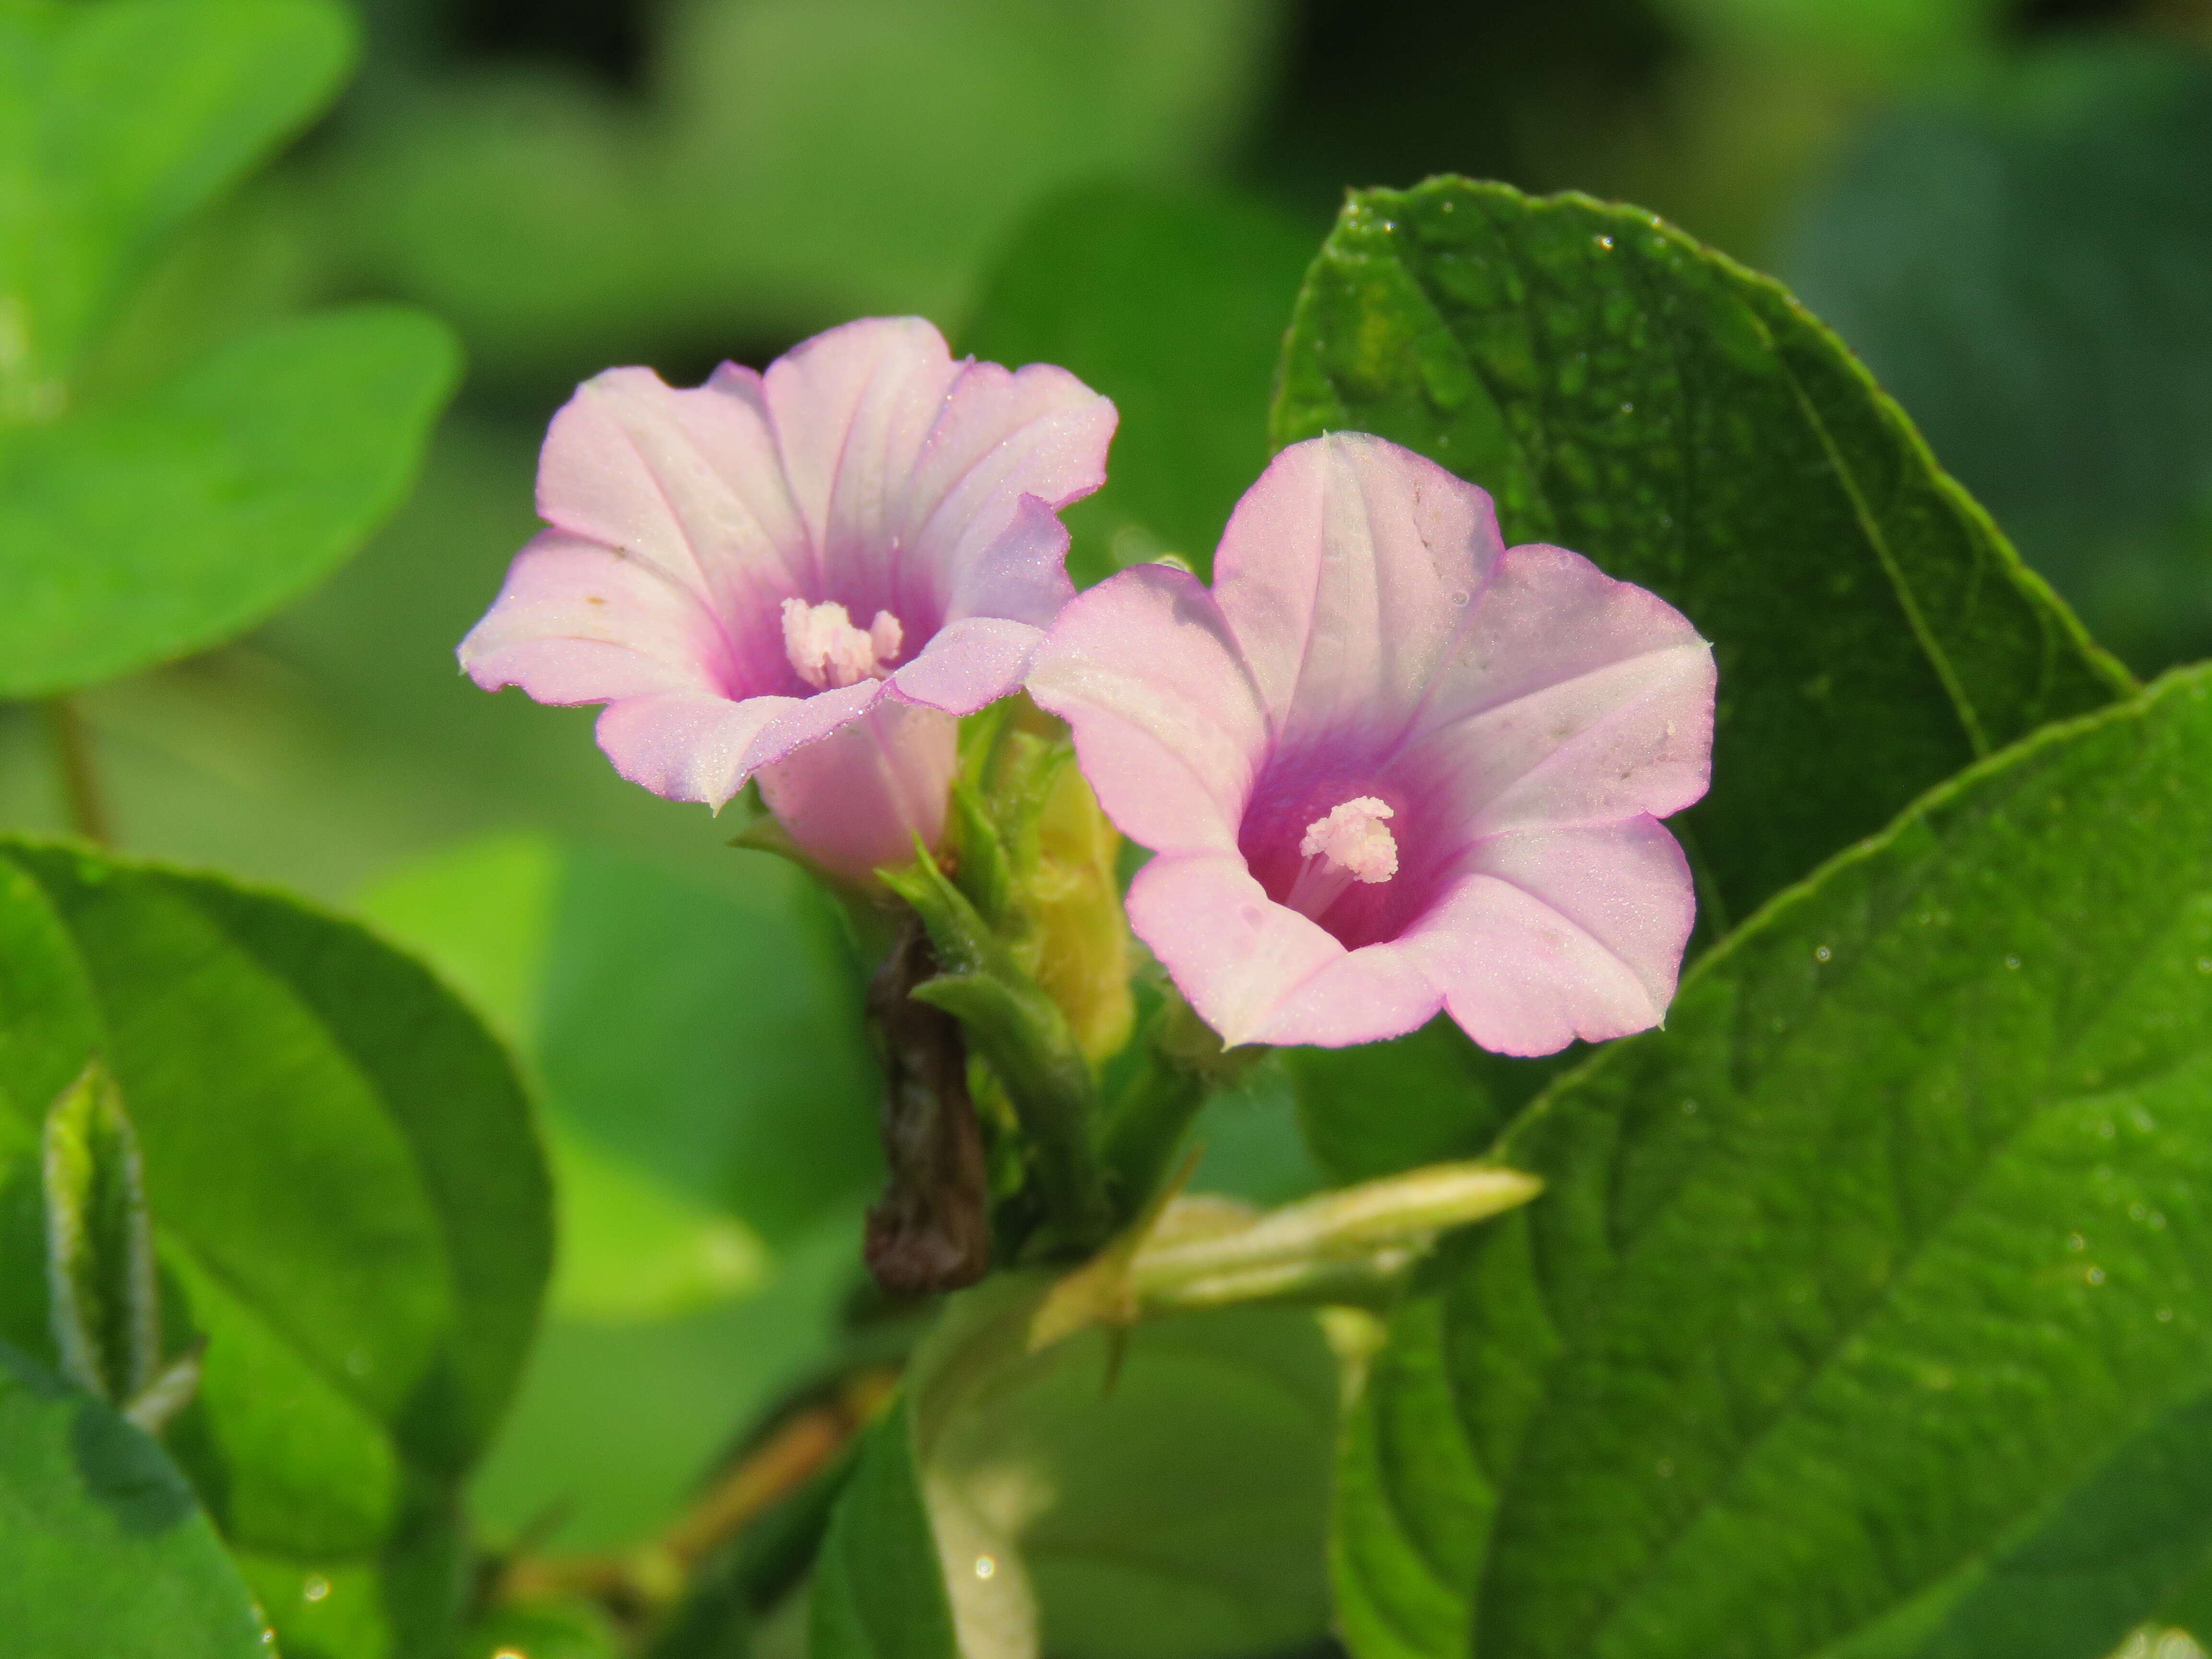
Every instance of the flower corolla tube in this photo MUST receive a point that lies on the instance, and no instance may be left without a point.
(1387, 765)
(803, 575)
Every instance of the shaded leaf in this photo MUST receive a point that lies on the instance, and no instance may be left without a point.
(1157, 1494)
(1417, 1099)
(878, 1590)
(105, 1308)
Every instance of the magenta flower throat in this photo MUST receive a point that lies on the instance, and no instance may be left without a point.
(1387, 766)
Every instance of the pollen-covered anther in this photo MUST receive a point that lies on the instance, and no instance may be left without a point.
(828, 652)
(1352, 837)
(1352, 843)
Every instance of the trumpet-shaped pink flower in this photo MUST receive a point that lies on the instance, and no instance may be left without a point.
(1387, 765)
(804, 574)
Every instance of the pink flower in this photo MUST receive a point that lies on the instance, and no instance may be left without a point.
(1387, 765)
(804, 574)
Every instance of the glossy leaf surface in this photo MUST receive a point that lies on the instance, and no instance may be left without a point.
(1865, 1313)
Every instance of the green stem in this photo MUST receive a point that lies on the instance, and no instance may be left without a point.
(73, 766)
(1183, 1063)
(1147, 1125)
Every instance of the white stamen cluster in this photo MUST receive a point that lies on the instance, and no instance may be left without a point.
(1351, 844)
(828, 652)
(1352, 837)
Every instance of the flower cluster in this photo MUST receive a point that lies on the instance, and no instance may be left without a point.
(1386, 765)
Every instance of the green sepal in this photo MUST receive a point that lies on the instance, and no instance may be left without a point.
(1183, 1063)
(1022, 1034)
(102, 1296)
(986, 869)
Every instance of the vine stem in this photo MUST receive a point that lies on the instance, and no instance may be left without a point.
(74, 769)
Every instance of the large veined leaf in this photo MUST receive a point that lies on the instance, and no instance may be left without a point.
(1623, 392)
(107, 1550)
(1162, 1502)
(1866, 1312)
(135, 532)
(118, 121)
(349, 1208)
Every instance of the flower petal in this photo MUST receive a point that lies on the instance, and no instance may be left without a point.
(856, 798)
(1235, 953)
(801, 720)
(1343, 571)
(1569, 698)
(1366, 995)
(1167, 725)
(578, 623)
(1022, 573)
(686, 747)
(687, 483)
(906, 465)
(975, 661)
(1550, 935)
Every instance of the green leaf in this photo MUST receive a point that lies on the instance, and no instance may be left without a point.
(1172, 305)
(139, 532)
(2015, 260)
(1866, 1305)
(106, 1314)
(1623, 392)
(710, 1103)
(118, 122)
(349, 1200)
(1160, 1493)
(107, 1552)
(878, 1590)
